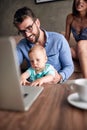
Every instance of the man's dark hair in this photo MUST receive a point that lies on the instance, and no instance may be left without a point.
(23, 13)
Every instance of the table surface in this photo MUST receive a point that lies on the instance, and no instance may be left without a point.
(50, 111)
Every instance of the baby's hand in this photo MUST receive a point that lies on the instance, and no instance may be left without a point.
(24, 82)
(37, 82)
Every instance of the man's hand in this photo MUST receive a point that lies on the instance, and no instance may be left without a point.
(57, 77)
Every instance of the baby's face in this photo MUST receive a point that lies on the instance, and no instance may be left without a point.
(38, 60)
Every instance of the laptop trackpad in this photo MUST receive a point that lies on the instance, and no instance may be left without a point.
(30, 94)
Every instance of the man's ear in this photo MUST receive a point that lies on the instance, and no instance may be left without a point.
(37, 22)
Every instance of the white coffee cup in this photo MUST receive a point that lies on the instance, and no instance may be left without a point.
(80, 86)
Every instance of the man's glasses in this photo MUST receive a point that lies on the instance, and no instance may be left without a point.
(28, 29)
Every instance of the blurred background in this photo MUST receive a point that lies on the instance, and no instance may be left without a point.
(51, 14)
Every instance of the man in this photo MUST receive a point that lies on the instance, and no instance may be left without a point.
(57, 48)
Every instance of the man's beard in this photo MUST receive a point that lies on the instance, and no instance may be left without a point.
(37, 36)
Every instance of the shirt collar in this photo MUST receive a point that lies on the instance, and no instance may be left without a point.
(47, 36)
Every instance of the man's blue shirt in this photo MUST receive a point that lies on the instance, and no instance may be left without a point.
(58, 53)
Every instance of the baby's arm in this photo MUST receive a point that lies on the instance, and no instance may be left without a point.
(24, 78)
(45, 79)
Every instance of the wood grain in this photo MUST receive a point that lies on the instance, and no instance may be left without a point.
(50, 111)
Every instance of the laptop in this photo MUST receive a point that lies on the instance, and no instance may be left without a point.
(13, 96)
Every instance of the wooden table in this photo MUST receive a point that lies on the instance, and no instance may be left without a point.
(50, 111)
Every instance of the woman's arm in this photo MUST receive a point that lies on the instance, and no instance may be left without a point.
(69, 20)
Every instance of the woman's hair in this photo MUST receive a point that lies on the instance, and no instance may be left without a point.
(74, 11)
(23, 13)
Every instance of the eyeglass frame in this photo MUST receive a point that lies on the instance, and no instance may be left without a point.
(28, 29)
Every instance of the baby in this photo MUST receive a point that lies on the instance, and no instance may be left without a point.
(39, 72)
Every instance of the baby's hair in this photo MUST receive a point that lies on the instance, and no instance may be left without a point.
(37, 48)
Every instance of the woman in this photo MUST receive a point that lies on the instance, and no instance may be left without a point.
(76, 22)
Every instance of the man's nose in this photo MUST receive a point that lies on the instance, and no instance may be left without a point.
(27, 33)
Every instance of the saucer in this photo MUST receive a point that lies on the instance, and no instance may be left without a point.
(74, 100)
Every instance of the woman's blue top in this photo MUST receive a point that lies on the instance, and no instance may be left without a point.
(79, 36)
